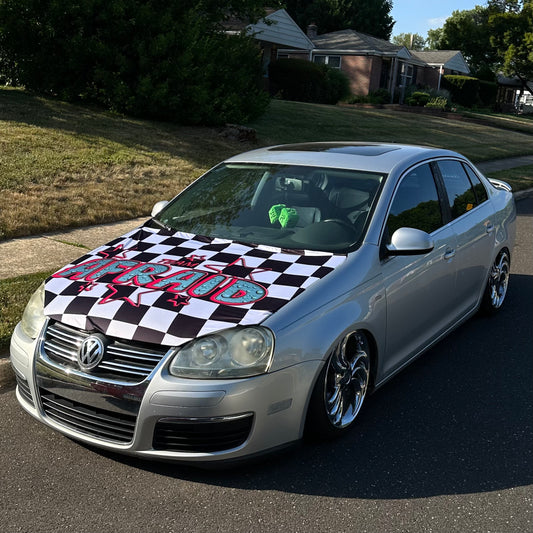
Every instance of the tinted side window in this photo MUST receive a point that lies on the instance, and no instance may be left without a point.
(479, 188)
(416, 203)
(458, 186)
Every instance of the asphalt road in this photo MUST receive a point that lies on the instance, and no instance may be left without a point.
(446, 446)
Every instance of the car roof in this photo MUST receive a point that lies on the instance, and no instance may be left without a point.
(374, 157)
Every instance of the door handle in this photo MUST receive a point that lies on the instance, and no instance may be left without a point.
(449, 254)
(489, 228)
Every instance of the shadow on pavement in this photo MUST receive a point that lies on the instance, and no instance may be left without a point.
(459, 420)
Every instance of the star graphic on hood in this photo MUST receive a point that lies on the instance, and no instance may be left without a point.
(118, 252)
(123, 292)
(86, 286)
(179, 300)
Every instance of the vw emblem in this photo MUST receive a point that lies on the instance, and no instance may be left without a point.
(91, 352)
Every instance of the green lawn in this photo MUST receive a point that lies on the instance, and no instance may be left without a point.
(63, 165)
(294, 121)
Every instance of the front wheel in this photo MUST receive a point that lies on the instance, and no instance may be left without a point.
(497, 283)
(341, 387)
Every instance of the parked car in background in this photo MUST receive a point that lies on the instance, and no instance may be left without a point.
(264, 301)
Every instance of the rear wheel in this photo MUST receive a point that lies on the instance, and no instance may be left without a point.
(341, 387)
(497, 284)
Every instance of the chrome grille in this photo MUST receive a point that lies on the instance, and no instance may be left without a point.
(86, 419)
(24, 389)
(122, 360)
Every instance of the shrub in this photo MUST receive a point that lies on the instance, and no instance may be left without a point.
(379, 96)
(358, 99)
(303, 81)
(488, 91)
(337, 86)
(464, 90)
(165, 60)
(437, 102)
(418, 98)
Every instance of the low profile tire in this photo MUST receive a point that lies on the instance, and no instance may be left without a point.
(340, 389)
(497, 284)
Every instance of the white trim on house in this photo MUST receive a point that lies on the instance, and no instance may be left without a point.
(280, 29)
(328, 60)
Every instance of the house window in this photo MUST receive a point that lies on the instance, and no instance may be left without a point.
(330, 61)
(407, 74)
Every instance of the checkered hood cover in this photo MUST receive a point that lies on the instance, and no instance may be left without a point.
(167, 288)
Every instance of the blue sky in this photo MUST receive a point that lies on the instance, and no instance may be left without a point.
(419, 16)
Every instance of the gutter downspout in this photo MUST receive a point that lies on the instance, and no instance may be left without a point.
(440, 77)
(394, 78)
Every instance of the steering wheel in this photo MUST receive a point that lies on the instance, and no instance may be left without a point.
(344, 223)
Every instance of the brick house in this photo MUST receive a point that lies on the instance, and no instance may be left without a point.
(369, 63)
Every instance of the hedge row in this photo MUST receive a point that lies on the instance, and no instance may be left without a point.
(166, 60)
(470, 92)
(303, 81)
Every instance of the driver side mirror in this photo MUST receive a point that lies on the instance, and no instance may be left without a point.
(410, 241)
(158, 207)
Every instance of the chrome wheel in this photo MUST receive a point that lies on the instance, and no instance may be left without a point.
(498, 281)
(346, 380)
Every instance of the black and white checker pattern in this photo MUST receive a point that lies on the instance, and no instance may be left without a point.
(138, 313)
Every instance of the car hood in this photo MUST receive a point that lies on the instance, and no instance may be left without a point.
(166, 287)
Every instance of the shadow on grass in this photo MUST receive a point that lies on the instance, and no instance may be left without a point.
(201, 145)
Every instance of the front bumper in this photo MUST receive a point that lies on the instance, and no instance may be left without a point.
(163, 416)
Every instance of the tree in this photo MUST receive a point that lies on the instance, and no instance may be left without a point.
(367, 16)
(479, 39)
(168, 60)
(467, 31)
(504, 6)
(434, 39)
(512, 38)
(412, 41)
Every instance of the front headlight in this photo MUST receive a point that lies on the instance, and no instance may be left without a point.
(232, 353)
(33, 317)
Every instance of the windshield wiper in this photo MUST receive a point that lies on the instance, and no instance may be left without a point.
(162, 225)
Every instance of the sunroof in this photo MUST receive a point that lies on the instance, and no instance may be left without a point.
(339, 148)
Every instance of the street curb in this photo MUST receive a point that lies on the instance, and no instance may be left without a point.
(519, 195)
(7, 376)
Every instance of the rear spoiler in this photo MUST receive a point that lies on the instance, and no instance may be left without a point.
(499, 184)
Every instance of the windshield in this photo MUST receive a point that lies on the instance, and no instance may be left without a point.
(292, 207)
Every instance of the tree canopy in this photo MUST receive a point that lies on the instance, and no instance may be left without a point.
(168, 60)
(512, 38)
(412, 41)
(497, 36)
(467, 31)
(367, 16)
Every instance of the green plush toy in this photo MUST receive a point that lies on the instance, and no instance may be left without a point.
(274, 212)
(288, 217)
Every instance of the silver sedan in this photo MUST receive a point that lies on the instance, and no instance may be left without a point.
(265, 301)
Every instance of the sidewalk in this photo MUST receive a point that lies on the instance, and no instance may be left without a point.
(51, 251)
(504, 164)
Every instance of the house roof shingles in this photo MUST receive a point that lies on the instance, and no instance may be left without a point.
(451, 59)
(354, 40)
